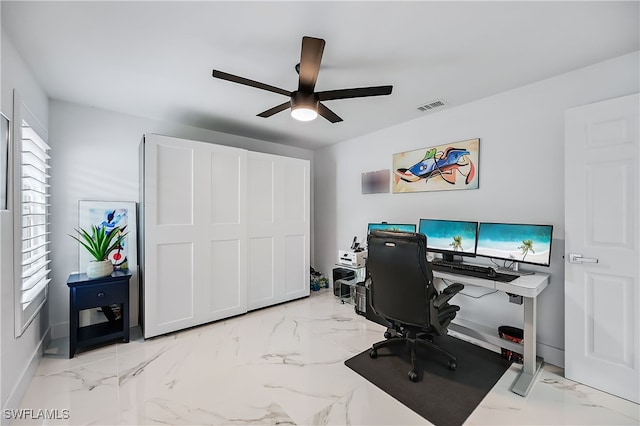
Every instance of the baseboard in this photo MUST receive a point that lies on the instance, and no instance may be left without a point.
(550, 354)
(14, 399)
(60, 330)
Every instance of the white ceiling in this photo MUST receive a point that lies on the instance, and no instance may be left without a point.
(154, 58)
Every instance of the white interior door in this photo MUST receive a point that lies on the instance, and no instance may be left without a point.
(602, 300)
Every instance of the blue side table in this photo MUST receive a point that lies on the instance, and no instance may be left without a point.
(87, 293)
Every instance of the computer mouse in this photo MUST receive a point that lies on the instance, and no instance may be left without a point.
(491, 272)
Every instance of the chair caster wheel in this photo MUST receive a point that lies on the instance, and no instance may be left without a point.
(452, 365)
(413, 376)
(373, 353)
(387, 335)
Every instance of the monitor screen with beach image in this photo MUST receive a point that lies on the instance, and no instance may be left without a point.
(397, 227)
(450, 237)
(523, 243)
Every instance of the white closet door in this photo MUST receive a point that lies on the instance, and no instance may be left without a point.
(222, 216)
(278, 229)
(297, 234)
(194, 233)
(265, 283)
(169, 280)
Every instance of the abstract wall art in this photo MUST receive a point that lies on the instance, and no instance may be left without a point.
(445, 167)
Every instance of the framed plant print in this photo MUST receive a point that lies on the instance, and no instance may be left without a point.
(111, 214)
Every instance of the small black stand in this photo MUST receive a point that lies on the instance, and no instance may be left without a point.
(447, 257)
(87, 293)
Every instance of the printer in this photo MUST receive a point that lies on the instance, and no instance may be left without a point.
(354, 259)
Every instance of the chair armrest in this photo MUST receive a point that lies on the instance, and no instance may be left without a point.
(453, 288)
(447, 294)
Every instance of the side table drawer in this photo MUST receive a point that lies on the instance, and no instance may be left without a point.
(93, 295)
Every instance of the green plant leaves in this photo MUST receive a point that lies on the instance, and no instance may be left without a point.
(99, 243)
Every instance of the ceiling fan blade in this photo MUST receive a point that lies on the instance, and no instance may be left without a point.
(310, 58)
(247, 82)
(360, 92)
(328, 114)
(275, 109)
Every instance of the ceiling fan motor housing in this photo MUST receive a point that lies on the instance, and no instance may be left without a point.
(300, 99)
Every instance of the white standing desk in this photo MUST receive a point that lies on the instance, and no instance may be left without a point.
(527, 286)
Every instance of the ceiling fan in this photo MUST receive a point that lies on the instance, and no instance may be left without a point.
(306, 104)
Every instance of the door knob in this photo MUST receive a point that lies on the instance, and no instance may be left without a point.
(577, 258)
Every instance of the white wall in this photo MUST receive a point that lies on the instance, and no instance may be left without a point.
(95, 157)
(521, 172)
(19, 356)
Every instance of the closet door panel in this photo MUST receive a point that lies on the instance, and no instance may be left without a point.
(169, 282)
(175, 286)
(261, 191)
(295, 193)
(296, 271)
(174, 180)
(225, 277)
(266, 281)
(296, 233)
(261, 280)
(278, 190)
(226, 187)
(223, 232)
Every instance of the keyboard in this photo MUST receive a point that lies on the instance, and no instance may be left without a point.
(477, 271)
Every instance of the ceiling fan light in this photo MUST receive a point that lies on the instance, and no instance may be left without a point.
(304, 113)
(304, 105)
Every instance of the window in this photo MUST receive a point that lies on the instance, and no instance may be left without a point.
(31, 215)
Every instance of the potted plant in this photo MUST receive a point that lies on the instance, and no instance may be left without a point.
(99, 243)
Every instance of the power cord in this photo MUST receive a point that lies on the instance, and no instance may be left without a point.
(466, 294)
(504, 263)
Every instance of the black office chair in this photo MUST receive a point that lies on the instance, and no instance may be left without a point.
(402, 291)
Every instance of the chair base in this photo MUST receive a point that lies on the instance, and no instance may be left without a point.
(410, 339)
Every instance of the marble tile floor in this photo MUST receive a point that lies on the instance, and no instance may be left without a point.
(279, 365)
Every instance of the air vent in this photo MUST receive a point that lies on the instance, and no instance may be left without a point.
(438, 103)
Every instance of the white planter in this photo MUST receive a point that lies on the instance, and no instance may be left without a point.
(100, 269)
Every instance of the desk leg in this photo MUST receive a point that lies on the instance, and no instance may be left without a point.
(125, 320)
(531, 365)
(73, 330)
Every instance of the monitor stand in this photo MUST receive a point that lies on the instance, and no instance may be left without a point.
(451, 258)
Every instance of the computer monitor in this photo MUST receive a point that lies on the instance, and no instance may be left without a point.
(384, 226)
(523, 243)
(450, 237)
(398, 227)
